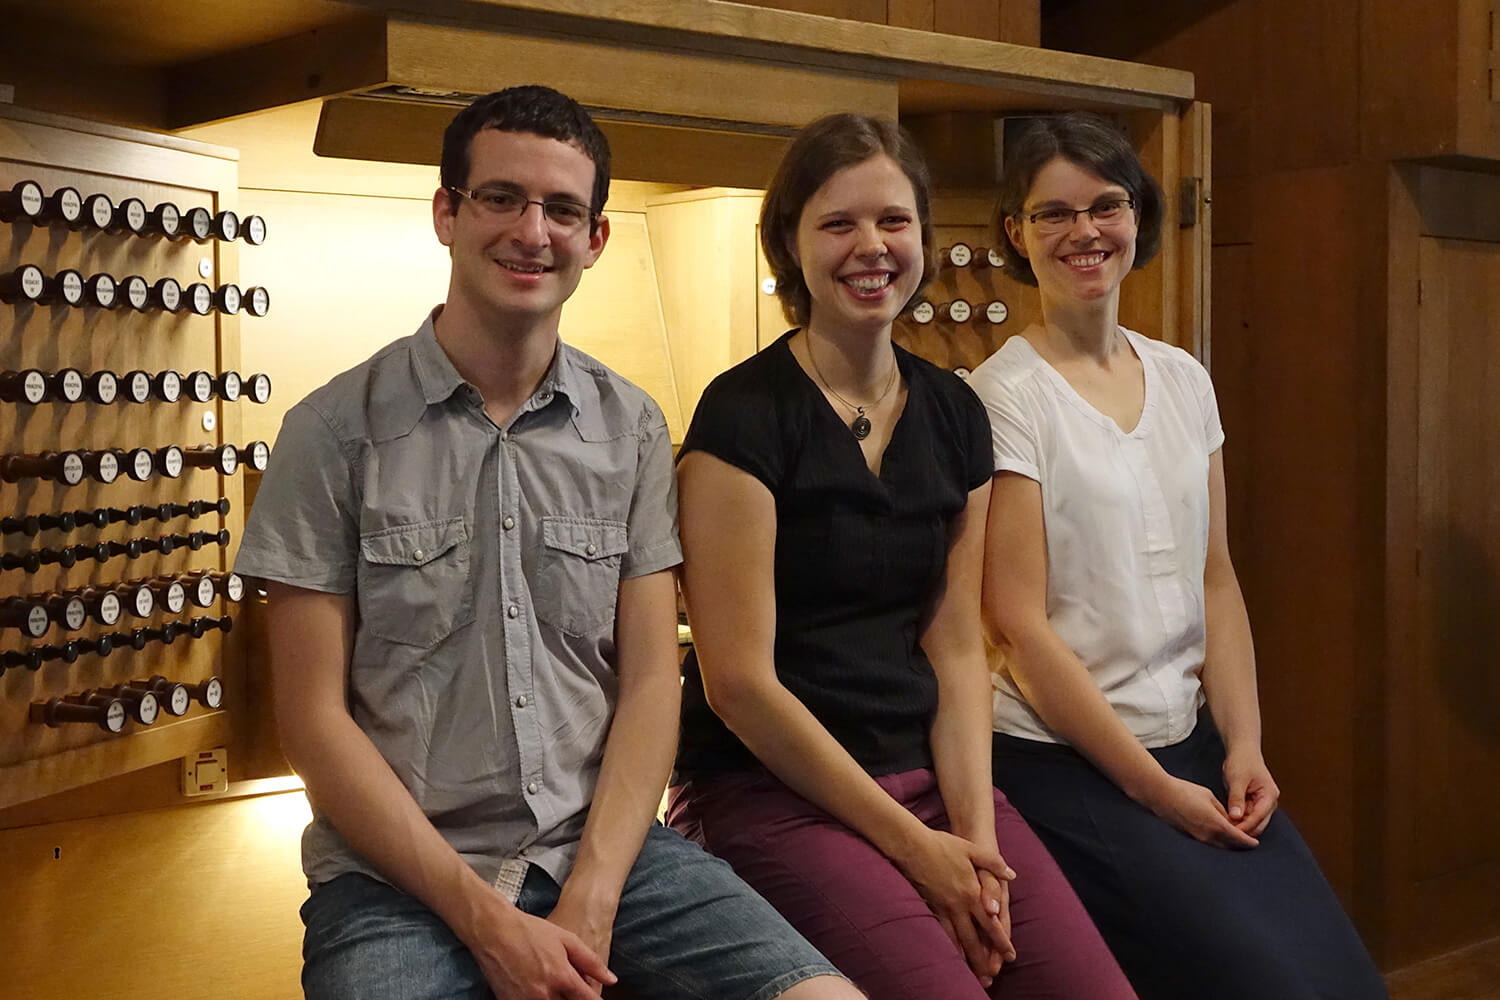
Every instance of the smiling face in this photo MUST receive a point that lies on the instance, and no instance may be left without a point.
(859, 245)
(518, 270)
(1086, 261)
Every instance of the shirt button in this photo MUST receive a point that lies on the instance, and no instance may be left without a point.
(525, 852)
(531, 788)
(591, 548)
(508, 523)
(417, 554)
(512, 611)
(521, 701)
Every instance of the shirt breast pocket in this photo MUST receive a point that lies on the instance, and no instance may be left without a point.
(578, 576)
(414, 581)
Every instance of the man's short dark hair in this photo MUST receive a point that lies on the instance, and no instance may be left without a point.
(1089, 142)
(535, 109)
(821, 150)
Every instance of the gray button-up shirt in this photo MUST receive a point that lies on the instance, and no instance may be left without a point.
(485, 563)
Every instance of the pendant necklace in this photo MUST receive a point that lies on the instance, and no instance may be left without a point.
(861, 426)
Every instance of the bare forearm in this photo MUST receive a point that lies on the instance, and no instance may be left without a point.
(1058, 687)
(637, 761)
(357, 791)
(791, 742)
(1229, 667)
(961, 751)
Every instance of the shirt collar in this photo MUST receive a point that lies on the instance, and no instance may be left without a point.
(566, 376)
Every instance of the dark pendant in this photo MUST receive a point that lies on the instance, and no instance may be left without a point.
(861, 427)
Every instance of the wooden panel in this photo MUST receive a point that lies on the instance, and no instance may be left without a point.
(871, 11)
(1453, 855)
(409, 132)
(1312, 576)
(910, 14)
(191, 901)
(603, 74)
(1194, 276)
(1234, 384)
(35, 760)
(975, 18)
(702, 245)
(1412, 112)
(1314, 47)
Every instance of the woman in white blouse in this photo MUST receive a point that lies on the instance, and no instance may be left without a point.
(1127, 729)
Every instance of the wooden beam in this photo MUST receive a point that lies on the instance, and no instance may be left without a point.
(321, 63)
(809, 40)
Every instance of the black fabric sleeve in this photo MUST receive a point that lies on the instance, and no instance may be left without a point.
(979, 457)
(738, 421)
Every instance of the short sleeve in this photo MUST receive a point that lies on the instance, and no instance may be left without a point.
(1013, 434)
(736, 423)
(652, 526)
(303, 528)
(979, 458)
(1208, 401)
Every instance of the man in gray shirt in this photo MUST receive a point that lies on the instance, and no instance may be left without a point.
(469, 542)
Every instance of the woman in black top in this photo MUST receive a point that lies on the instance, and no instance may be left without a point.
(833, 498)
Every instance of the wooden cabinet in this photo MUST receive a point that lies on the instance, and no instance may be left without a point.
(1431, 82)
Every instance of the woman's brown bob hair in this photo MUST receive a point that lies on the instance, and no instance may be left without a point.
(821, 150)
(1091, 143)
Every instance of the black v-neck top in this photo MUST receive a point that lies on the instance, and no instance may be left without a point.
(859, 558)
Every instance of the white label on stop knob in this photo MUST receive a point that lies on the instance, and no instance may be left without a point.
(231, 299)
(74, 614)
(37, 622)
(959, 311)
(231, 386)
(103, 211)
(997, 312)
(260, 301)
(180, 700)
(255, 228)
(923, 312)
(171, 219)
(104, 290)
(171, 296)
(260, 455)
(234, 586)
(31, 199)
(114, 717)
(140, 387)
(229, 460)
(32, 282)
(176, 598)
(71, 204)
(995, 258)
(72, 385)
(260, 388)
(173, 462)
(144, 603)
(136, 291)
(205, 589)
(203, 387)
(109, 609)
(214, 693)
(109, 467)
(135, 215)
(35, 387)
(72, 288)
(203, 299)
(143, 465)
(107, 387)
(171, 386)
(72, 470)
(149, 707)
(960, 254)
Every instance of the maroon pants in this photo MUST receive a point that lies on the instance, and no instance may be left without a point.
(857, 908)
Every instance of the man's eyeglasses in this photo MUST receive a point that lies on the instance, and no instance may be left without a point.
(506, 205)
(1104, 213)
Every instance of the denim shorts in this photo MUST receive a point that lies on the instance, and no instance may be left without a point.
(687, 929)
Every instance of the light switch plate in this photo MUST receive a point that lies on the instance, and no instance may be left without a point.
(206, 772)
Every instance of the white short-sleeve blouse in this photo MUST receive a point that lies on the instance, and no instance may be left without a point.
(1126, 521)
